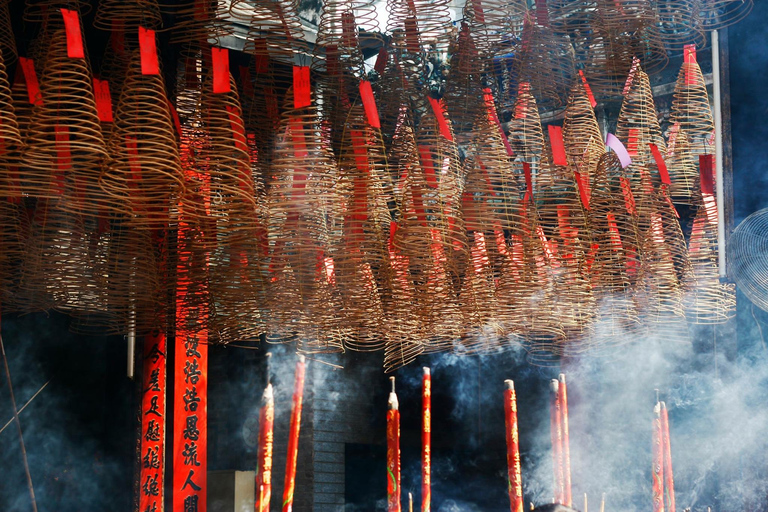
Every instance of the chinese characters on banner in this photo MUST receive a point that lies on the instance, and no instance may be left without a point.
(153, 424)
(190, 407)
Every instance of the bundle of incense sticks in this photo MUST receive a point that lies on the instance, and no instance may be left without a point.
(393, 451)
(561, 452)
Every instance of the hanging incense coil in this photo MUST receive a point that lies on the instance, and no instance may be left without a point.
(13, 234)
(145, 175)
(682, 168)
(638, 123)
(690, 106)
(568, 17)
(65, 150)
(707, 301)
(492, 22)
(464, 87)
(546, 63)
(118, 15)
(10, 141)
(43, 11)
(525, 134)
(717, 14)
(420, 25)
(581, 134)
(199, 21)
(7, 41)
(679, 23)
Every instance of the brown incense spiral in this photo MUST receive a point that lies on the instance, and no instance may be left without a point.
(679, 23)
(716, 14)
(683, 171)
(199, 21)
(127, 16)
(638, 123)
(581, 133)
(420, 25)
(7, 40)
(13, 231)
(493, 21)
(691, 108)
(43, 11)
(10, 141)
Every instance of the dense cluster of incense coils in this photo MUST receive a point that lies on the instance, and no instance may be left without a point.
(415, 207)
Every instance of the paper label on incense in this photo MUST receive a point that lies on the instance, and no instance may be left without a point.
(148, 51)
(103, 100)
(528, 182)
(583, 190)
(490, 105)
(588, 89)
(660, 164)
(521, 102)
(301, 87)
(558, 146)
(369, 103)
(30, 80)
(75, 48)
(629, 198)
(117, 39)
(427, 164)
(706, 174)
(632, 141)
(689, 63)
(153, 411)
(220, 63)
(418, 204)
(442, 122)
(477, 6)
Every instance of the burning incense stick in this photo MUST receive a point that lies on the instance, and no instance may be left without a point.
(266, 439)
(410, 502)
(669, 481)
(426, 442)
(566, 445)
(555, 418)
(602, 503)
(515, 483)
(293, 435)
(586, 508)
(393, 451)
(658, 461)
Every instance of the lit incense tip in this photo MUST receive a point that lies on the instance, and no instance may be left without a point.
(268, 393)
(393, 404)
(561, 378)
(302, 358)
(426, 370)
(509, 384)
(554, 385)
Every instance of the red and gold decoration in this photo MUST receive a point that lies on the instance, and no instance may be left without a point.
(266, 450)
(152, 474)
(514, 472)
(393, 452)
(426, 441)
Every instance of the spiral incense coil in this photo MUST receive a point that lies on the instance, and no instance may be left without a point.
(717, 14)
(41, 11)
(707, 300)
(546, 63)
(114, 64)
(525, 134)
(119, 15)
(581, 134)
(401, 353)
(145, 174)
(199, 21)
(682, 167)
(420, 25)
(638, 123)
(679, 23)
(12, 242)
(492, 22)
(691, 108)
(7, 41)
(464, 89)
(391, 92)
(10, 141)
(567, 17)
(633, 22)
(64, 135)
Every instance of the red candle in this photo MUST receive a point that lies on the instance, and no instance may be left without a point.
(266, 439)
(293, 436)
(669, 481)
(515, 485)
(556, 432)
(566, 444)
(393, 452)
(426, 442)
(658, 461)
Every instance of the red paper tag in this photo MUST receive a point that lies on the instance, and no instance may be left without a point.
(30, 79)
(588, 89)
(381, 61)
(583, 189)
(689, 54)
(428, 165)
(133, 163)
(360, 149)
(103, 100)
(632, 141)
(153, 413)
(629, 199)
(490, 105)
(613, 232)
(63, 157)
(301, 87)
(521, 103)
(392, 232)
(148, 49)
(412, 35)
(558, 147)
(366, 93)
(75, 48)
(437, 108)
(660, 164)
(220, 61)
(706, 173)
(528, 181)
(238, 130)
(273, 111)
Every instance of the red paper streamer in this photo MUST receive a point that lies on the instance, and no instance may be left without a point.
(658, 462)
(706, 174)
(583, 189)
(261, 59)
(588, 89)
(660, 164)
(629, 198)
(514, 473)
(174, 116)
(542, 13)
(381, 61)
(669, 481)
(558, 146)
(75, 48)
(348, 33)
(265, 450)
(148, 49)
(478, 9)
(220, 61)
(490, 105)
(301, 87)
(103, 100)
(152, 473)
(428, 165)
(528, 182)
(563, 399)
(437, 108)
(30, 80)
(190, 405)
(426, 442)
(632, 141)
(369, 103)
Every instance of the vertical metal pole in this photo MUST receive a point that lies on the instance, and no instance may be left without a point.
(718, 153)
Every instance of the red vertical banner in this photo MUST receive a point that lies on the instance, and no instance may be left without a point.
(152, 473)
(293, 435)
(658, 461)
(393, 452)
(426, 442)
(265, 451)
(190, 407)
(514, 471)
(563, 398)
